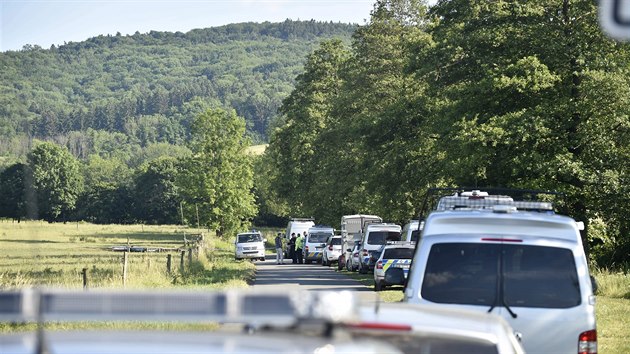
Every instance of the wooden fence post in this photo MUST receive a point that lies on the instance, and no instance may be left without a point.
(190, 257)
(85, 279)
(124, 269)
(168, 264)
(181, 261)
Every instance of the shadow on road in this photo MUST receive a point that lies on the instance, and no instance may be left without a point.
(304, 276)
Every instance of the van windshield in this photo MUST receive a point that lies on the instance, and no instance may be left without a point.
(318, 237)
(249, 238)
(532, 276)
(335, 241)
(381, 237)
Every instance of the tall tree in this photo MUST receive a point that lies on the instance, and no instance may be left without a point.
(217, 180)
(156, 194)
(57, 181)
(13, 192)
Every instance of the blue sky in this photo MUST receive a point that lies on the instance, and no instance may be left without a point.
(47, 22)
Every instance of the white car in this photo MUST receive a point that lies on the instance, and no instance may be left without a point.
(352, 265)
(394, 255)
(527, 266)
(332, 250)
(249, 245)
(422, 329)
(264, 322)
(315, 242)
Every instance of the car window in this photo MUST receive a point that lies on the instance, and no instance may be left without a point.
(335, 241)
(398, 253)
(532, 276)
(381, 237)
(318, 237)
(249, 238)
(415, 235)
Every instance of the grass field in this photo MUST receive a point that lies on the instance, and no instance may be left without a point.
(40, 253)
(612, 308)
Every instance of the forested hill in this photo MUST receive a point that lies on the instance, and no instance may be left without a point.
(136, 88)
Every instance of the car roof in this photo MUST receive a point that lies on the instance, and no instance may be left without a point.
(428, 319)
(488, 222)
(249, 233)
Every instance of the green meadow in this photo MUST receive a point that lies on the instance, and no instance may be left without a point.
(55, 255)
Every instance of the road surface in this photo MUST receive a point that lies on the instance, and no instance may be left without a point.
(296, 277)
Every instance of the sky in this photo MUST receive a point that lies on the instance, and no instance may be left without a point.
(47, 22)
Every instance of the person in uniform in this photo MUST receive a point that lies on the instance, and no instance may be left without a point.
(292, 252)
(299, 245)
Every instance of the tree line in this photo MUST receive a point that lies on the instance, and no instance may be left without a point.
(137, 85)
(208, 184)
(462, 93)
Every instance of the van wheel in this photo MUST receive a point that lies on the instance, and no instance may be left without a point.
(362, 269)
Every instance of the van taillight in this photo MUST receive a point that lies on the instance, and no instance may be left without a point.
(587, 342)
(379, 265)
(365, 252)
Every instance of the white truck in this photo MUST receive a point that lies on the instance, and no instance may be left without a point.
(352, 227)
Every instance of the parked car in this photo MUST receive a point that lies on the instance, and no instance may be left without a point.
(249, 245)
(315, 242)
(332, 250)
(422, 329)
(515, 259)
(352, 265)
(393, 255)
(375, 236)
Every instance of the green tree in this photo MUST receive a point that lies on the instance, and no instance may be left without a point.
(217, 180)
(57, 180)
(13, 192)
(156, 194)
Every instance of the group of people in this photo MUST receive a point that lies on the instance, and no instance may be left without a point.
(295, 245)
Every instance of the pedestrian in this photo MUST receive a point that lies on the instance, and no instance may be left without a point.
(292, 252)
(279, 255)
(299, 245)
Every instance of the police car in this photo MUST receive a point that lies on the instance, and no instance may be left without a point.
(395, 254)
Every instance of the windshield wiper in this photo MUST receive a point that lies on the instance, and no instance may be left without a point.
(500, 293)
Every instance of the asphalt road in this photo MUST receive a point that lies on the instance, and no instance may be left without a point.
(312, 276)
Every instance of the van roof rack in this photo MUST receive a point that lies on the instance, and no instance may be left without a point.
(475, 198)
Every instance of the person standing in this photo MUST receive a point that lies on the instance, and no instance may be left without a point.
(299, 245)
(279, 255)
(291, 245)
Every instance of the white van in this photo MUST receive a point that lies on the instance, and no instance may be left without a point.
(412, 230)
(528, 267)
(249, 245)
(296, 226)
(315, 242)
(374, 237)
